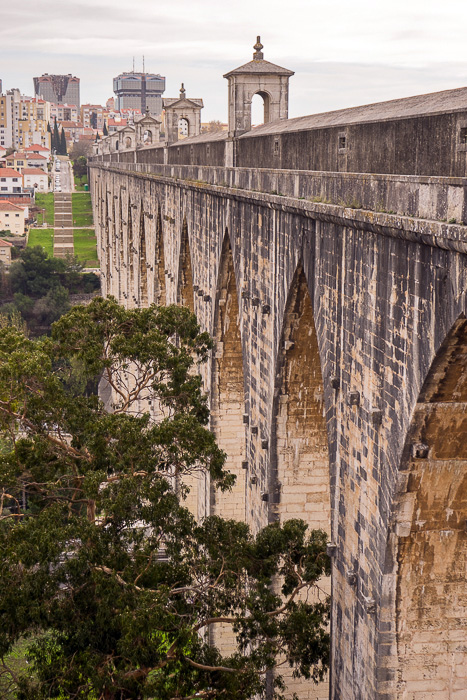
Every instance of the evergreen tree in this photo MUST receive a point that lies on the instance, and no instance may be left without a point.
(63, 148)
(104, 574)
(56, 138)
(106, 131)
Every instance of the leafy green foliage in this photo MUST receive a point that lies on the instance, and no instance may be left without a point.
(41, 285)
(103, 570)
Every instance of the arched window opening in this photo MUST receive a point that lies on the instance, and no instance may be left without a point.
(183, 128)
(128, 142)
(259, 109)
(147, 136)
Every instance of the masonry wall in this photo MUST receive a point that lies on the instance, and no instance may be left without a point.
(383, 299)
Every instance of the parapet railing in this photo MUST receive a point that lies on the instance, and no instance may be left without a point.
(441, 199)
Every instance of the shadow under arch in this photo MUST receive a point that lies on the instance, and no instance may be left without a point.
(131, 257)
(422, 644)
(299, 473)
(227, 386)
(185, 292)
(159, 262)
(143, 266)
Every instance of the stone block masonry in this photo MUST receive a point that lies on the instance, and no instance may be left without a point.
(337, 384)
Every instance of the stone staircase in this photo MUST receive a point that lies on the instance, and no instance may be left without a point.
(63, 225)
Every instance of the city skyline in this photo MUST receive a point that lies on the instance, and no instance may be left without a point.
(342, 55)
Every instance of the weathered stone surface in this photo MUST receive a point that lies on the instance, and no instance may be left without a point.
(365, 439)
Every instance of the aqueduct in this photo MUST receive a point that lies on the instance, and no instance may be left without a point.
(327, 256)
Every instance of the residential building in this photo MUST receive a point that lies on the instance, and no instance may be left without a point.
(138, 91)
(35, 178)
(6, 122)
(36, 148)
(114, 125)
(93, 116)
(12, 218)
(60, 89)
(11, 181)
(21, 160)
(5, 251)
(63, 113)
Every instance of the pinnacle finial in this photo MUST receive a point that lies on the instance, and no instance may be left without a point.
(258, 54)
(182, 90)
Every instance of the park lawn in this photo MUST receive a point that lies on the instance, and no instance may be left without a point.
(80, 182)
(82, 209)
(45, 201)
(43, 237)
(85, 247)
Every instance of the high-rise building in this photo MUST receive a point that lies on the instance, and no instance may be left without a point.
(139, 91)
(61, 89)
(6, 121)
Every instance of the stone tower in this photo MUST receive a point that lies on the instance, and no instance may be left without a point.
(182, 114)
(258, 77)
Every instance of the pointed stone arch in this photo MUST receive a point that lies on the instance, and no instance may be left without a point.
(143, 266)
(121, 258)
(159, 263)
(422, 622)
(227, 407)
(185, 292)
(299, 480)
(131, 257)
(227, 393)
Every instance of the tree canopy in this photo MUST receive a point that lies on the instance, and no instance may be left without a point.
(103, 570)
(40, 286)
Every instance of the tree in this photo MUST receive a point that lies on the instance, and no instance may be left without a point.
(212, 127)
(55, 138)
(105, 131)
(80, 165)
(103, 569)
(63, 147)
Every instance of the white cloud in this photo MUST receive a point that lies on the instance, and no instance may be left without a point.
(343, 53)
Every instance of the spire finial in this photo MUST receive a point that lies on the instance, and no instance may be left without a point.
(258, 54)
(182, 90)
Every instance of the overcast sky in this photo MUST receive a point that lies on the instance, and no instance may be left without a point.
(343, 52)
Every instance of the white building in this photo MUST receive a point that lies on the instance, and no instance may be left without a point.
(36, 178)
(11, 181)
(12, 218)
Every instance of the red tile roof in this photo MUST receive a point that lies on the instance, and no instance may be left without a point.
(5, 244)
(36, 147)
(33, 171)
(9, 172)
(6, 205)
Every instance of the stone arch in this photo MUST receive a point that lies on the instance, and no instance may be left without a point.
(121, 259)
(422, 622)
(159, 263)
(299, 481)
(185, 292)
(143, 264)
(227, 406)
(266, 97)
(147, 137)
(131, 257)
(128, 142)
(183, 127)
(227, 392)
